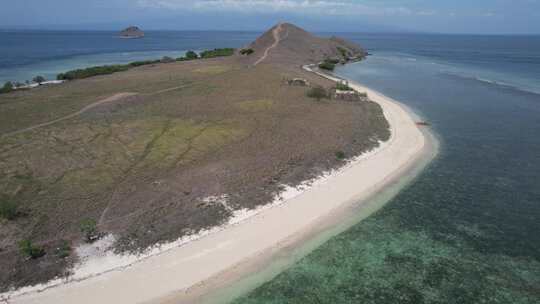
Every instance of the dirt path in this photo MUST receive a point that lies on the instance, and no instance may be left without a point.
(81, 111)
(277, 39)
(112, 98)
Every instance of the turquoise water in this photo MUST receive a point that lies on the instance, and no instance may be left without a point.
(467, 229)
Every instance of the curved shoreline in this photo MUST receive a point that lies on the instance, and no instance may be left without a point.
(248, 275)
(196, 266)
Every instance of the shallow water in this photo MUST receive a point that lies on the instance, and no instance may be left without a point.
(467, 230)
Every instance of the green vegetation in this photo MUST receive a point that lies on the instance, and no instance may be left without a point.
(30, 250)
(64, 250)
(8, 87)
(39, 79)
(191, 55)
(167, 59)
(145, 62)
(217, 53)
(317, 93)
(327, 66)
(92, 71)
(343, 52)
(89, 230)
(343, 86)
(340, 155)
(247, 52)
(8, 209)
(332, 60)
(110, 69)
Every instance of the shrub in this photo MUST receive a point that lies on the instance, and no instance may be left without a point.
(190, 55)
(247, 52)
(30, 250)
(144, 62)
(64, 250)
(89, 230)
(92, 71)
(340, 155)
(317, 93)
(38, 79)
(327, 66)
(343, 86)
(344, 53)
(217, 53)
(167, 59)
(8, 209)
(8, 87)
(332, 60)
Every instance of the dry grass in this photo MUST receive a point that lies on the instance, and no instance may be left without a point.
(141, 166)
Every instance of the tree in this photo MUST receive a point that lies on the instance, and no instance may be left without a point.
(30, 250)
(343, 86)
(327, 66)
(39, 79)
(8, 87)
(190, 55)
(246, 51)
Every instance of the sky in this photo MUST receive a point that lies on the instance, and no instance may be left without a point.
(457, 16)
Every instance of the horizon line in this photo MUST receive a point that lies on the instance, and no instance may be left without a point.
(31, 28)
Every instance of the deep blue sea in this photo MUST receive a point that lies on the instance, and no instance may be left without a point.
(466, 230)
(25, 54)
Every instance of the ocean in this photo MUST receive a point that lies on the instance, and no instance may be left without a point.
(466, 230)
(26, 54)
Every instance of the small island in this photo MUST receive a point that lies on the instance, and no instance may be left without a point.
(132, 32)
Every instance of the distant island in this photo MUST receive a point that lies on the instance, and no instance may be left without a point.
(132, 32)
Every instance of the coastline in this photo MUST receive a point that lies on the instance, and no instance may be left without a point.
(224, 253)
(248, 275)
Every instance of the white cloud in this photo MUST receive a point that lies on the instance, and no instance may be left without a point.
(327, 7)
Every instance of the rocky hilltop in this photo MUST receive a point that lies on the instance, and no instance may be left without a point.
(132, 32)
(299, 46)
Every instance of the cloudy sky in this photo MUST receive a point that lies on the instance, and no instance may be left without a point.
(457, 16)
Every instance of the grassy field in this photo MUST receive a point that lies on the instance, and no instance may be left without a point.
(141, 166)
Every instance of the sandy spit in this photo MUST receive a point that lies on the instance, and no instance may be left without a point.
(169, 276)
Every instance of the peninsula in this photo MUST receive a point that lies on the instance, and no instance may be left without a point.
(162, 180)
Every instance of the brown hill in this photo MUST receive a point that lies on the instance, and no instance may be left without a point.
(287, 43)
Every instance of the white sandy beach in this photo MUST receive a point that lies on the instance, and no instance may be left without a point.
(164, 276)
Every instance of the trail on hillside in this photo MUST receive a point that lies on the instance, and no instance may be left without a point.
(112, 98)
(81, 111)
(277, 39)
